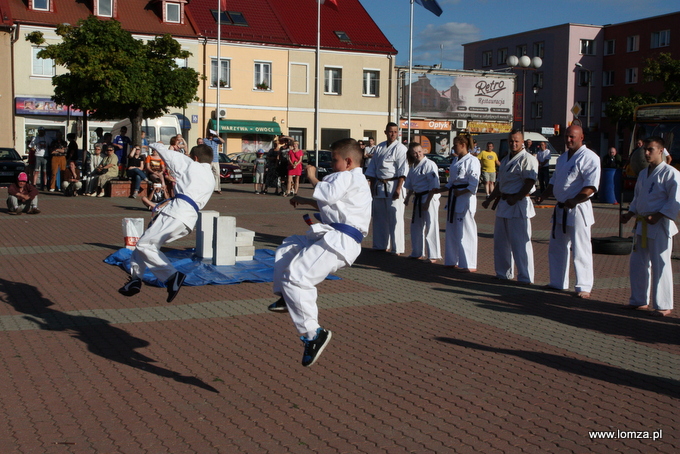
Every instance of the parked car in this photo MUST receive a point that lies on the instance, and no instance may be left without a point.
(246, 161)
(443, 164)
(230, 172)
(11, 165)
(325, 166)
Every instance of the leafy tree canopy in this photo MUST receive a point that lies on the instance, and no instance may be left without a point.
(667, 70)
(620, 109)
(114, 75)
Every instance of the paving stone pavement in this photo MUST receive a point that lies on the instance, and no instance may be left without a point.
(423, 359)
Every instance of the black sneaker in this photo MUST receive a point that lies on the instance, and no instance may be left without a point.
(133, 286)
(314, 347)
(174, 284)
(278, 306)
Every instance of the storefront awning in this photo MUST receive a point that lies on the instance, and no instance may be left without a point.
(247, 127)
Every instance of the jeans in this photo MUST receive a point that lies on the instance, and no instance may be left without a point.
(137, 176)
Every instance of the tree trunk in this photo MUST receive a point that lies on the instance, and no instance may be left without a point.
(136, 123)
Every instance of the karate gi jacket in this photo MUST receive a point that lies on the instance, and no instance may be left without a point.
(658, 192)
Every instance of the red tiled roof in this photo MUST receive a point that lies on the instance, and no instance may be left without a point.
(136, 16)
(293, 23)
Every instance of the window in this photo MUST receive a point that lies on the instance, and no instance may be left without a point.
(537, 109)
(41, 5)
(105, 8)
(333, 81)
(172, 13)
(487, 58)
(661, 39)
(631, 75)
(342, 36)
(43, 67)
(583, 78)
(502, 55)
(604, 109)
(538, 79)
(609, 47)
(521, 50)
(263, 75)
(224, 73)
(371, 83)
(607, 78)
(633, 43)
(587, 47)
(229, 17)
(539, 49)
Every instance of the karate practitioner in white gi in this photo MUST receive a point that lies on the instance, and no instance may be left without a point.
(421, 179)
(512, 231)
(461, 228)
(386, 173)
(655, 206)
(344, 202)
(575, 180)
(175, 219)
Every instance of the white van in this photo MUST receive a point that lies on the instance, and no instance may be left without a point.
(159, 129)
(500, 143)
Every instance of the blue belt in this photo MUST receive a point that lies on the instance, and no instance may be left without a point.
(186, 198)
(347, 229)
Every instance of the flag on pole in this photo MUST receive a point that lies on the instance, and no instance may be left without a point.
(330, 3)
(223, 5)
(431, 5)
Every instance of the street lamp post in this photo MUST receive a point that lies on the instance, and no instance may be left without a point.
(590, 78)
(535, 87)
(525, 63)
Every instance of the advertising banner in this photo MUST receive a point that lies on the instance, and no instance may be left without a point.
(42, 106)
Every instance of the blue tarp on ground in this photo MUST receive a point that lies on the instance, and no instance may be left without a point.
(260, 269)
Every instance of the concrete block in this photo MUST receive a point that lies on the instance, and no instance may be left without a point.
(245, 250)
(244, 237)
(224, 251)
(205, 232)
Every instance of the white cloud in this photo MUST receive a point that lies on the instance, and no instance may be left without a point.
(426, 47)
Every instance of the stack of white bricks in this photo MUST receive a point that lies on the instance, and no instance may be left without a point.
(218, 238)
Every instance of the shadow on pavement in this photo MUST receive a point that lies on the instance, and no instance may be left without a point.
(101, 338)
(603, 372)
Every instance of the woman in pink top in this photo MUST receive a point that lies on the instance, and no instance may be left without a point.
(294, 169)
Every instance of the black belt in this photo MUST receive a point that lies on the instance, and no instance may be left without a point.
(452, 199)
(416, 205)
(564, 218)
(384, 182)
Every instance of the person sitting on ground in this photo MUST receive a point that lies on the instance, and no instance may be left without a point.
(107, 170)
(23, 196)
(71, 183)
(135, 170)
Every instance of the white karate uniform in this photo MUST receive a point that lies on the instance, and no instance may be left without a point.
(303, 261)
(461, 228)
(176, 219)
(388, 162)
(569, 178)
(650, 266)
(512, 230)
(424, 177)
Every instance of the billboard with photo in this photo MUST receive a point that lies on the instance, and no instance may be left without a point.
(468, 95)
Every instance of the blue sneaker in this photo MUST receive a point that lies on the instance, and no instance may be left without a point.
(174, 284)
(314, 347)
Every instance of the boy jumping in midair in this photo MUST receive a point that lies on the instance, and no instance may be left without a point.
(344, 201)
(175, 219)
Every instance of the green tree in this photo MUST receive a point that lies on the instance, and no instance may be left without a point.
(620, 109)
(664, 68)
(115, 76)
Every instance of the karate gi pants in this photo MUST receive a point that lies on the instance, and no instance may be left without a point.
(576, 240)
(512, 246)
(425, 232)
(300, 265)
(461, 241)
(388, 224)
(165, 229)
(650, 268)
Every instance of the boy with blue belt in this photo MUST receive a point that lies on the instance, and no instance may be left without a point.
(175, 219)
(343, 199)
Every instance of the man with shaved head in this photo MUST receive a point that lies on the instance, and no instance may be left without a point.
(575, 180)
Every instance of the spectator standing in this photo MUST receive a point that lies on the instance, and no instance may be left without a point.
(271, 178)
(386, 173)
(612, 160)
(38, 146)
(214, 141)
(121, 145)
(368, 152)
(71, 183)
(72, 148)
(655, 207)
(575, 180)
(294, 169)
(182, 145)
(57, 159)
(145, 144)
(512, 230)
(543, 157)
(23, 196)
(489, 162)
(259, 171)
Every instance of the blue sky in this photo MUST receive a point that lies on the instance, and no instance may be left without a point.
(465, 21)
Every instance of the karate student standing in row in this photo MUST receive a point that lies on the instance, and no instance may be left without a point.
(655, 206)
(421, 179)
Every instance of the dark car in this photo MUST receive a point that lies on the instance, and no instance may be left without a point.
(443, 164)
(325, 166)
(230, 172)
(11, 165)
(246, 162)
